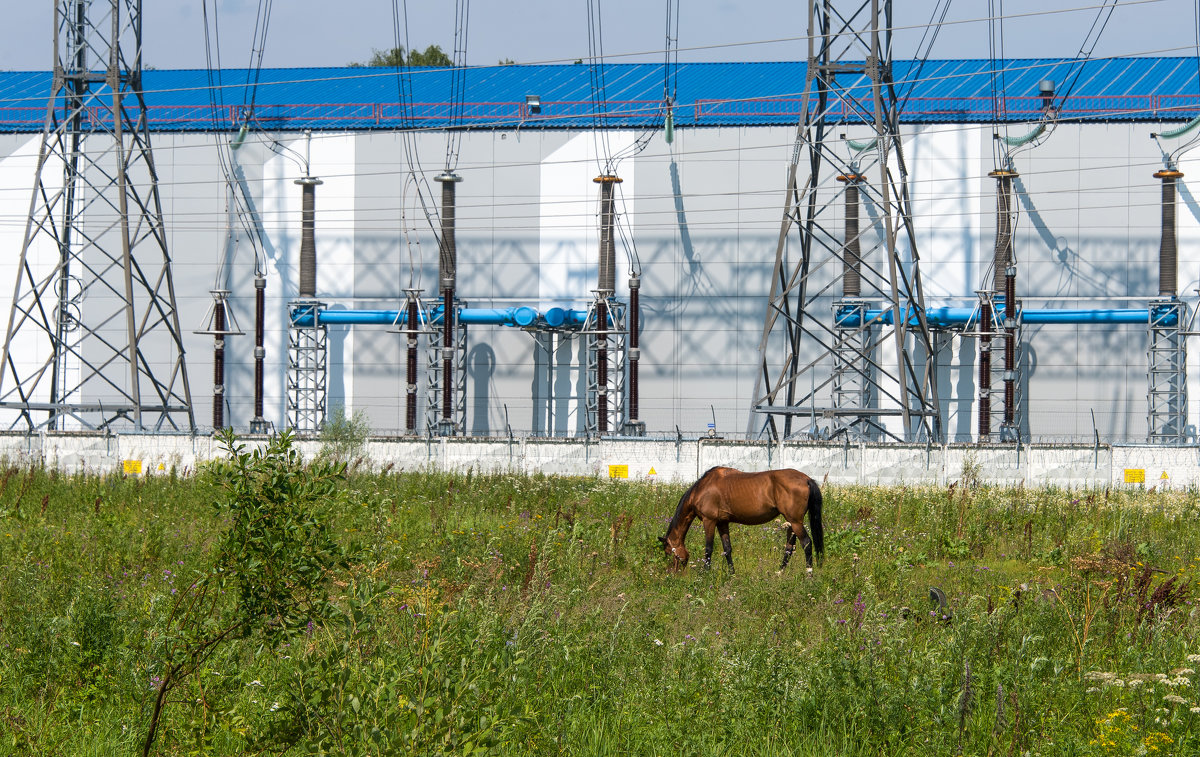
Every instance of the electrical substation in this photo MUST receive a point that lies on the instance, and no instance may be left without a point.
(846, 248)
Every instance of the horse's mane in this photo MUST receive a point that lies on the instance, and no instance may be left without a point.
(687, 495)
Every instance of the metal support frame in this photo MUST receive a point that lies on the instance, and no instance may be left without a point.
(94, 283)
(852, 369)
(1166, 394)
(437, 422)
(308, 374)
(798, 351)
(606, 399)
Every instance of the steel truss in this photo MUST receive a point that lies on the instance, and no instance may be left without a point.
(606, 402)
(435, 420)
(804, 362)
(1166, 393)
(308, 373)
(93, 338)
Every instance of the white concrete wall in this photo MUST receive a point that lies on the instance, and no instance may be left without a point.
(653, 460)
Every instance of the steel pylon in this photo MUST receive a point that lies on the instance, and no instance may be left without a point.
(93, 338)
(808, 354)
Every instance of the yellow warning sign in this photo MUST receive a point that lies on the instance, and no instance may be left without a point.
(1164, 476)
(132, 467)
(618, 471)
(1135, 475)
(652, 471)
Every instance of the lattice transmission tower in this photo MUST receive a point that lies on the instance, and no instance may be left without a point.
(93, 338)
(846, 350)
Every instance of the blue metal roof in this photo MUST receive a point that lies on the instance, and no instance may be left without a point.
(707, 94)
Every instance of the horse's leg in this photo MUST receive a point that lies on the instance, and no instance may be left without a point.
(791, 546)
(709, 528)
(807, 543)
(724, 529)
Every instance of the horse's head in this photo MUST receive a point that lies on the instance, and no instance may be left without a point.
(676, 552)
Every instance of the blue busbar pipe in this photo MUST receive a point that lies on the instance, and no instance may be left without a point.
(521, 316)
(951, 316)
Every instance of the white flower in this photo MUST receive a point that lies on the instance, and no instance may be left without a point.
(1193, 658)
(255, 683)
(1098, 675)
(1174, 699)
(658, 642)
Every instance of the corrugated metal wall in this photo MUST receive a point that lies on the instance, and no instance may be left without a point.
(705, 215)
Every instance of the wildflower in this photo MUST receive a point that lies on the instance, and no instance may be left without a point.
(1193, 658)
(658, 642)
(1174, 699)
(1098, 675)
(1183, 672)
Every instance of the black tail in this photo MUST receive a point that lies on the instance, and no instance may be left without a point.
(814, 518)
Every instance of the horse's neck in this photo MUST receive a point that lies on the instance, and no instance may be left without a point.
(679, 527)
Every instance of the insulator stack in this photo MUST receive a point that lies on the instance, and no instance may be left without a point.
(447, 276)
(1002, 257)
(608, 250)
(851, 254)
(1010, 345)
(410, 406)
(218, 412)
(258, 424)
(1004, 275)
(1168, 250)
(308, 244)
(602, 366)
(634, 352)
(606, 284)
(985, 370)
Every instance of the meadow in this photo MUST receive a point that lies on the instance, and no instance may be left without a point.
(273, 605)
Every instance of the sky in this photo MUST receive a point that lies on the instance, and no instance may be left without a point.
(306, 33)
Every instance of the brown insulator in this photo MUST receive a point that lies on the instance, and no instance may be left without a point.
(602, 366)
(410, 406)
(985, 371)
(852, 249)
(308, 244)
(1168, 250)
(218, 413)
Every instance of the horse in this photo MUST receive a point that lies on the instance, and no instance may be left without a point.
(725, 495)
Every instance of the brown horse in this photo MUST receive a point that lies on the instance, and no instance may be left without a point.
(724, 495)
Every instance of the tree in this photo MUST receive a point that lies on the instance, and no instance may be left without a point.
(433, 55)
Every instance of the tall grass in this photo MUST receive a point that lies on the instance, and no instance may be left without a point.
(534, 615)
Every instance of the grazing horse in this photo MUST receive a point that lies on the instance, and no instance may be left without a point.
(724, 495)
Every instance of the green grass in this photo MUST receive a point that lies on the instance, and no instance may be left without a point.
(535, 615)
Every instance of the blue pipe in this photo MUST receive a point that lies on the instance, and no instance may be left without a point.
(515, 316)
(948, 316)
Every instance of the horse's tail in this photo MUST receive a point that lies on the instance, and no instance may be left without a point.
(814, 518)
